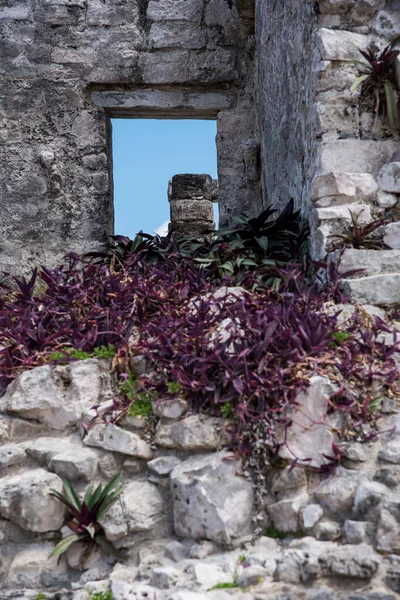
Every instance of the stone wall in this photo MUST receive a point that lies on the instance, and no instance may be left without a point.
(358, 170)
(191, 515)
(190, 200)
(285, 89)
(178, 58)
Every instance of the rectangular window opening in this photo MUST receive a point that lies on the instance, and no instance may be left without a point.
(147, 153)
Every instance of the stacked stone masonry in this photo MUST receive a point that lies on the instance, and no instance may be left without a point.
(190, 200)
(187, 519)
(69, 65)
(359, 169)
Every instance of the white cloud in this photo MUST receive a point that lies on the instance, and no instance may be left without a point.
(162, 229)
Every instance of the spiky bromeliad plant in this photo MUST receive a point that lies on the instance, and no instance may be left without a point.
(380, 80)
(84, 516)
(359, 235)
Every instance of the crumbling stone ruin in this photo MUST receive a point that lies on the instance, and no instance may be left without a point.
(277, 77)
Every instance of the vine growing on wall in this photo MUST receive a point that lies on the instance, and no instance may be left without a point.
(242, 352)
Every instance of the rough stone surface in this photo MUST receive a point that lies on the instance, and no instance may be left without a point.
(292, 115)
(285, 514)
(56, 397)
(391, 452)
(25, 500)
(307, 438)
(369, 262)
(344, 187)
(11, 454)
(220, 501)
(113, 438)
(389, 178)
(140, 509)
(352, 561)
(327, 530)
(377, 289)
(192, 434)
(173, 408)
(336, 494)
(32, 568)
(310, 515)
(65, 456)
(392, 235)
(55, 54)
(336, 45)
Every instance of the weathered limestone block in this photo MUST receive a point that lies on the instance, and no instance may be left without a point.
(288, 480)
(212, 67)
(74, 463)
(337, 118)
(295, 565)
(209, 500)
(376, 289)
(188, 186)
(100, 14)
(163, 465)
(369, 262)
(386, 200)
(310, 436)
(177, 35)
(327, 530)
(387, 24)
(358, 532)
(165, 67)
(391, 452)
(389, 178)
(344, 187)
(368, 497)
(343, 212)
(113, 438)
(285, 513)
(11, 454)
(392, 235)
(388, 532)
(32, 568)
(173, 408)
(206, 574)
(15, 13)
(227, 329)
(336, 494)
(331, 78)
(192, 210)
(193, 434)
(175, 10)
(55, 397)
(358, 561)
(361, 156)
(365, 10)
(223, 296)
(335, 6)
(25, 500)
(222, 19)
(141, 508)
(195, 228)
(339, 45)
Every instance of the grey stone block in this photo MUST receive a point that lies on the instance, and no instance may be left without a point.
(377, 289)
(192, 210)
(177, 35)
(175, 10)
(186, 186)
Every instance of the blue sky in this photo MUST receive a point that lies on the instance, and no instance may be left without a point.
(146, 154)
